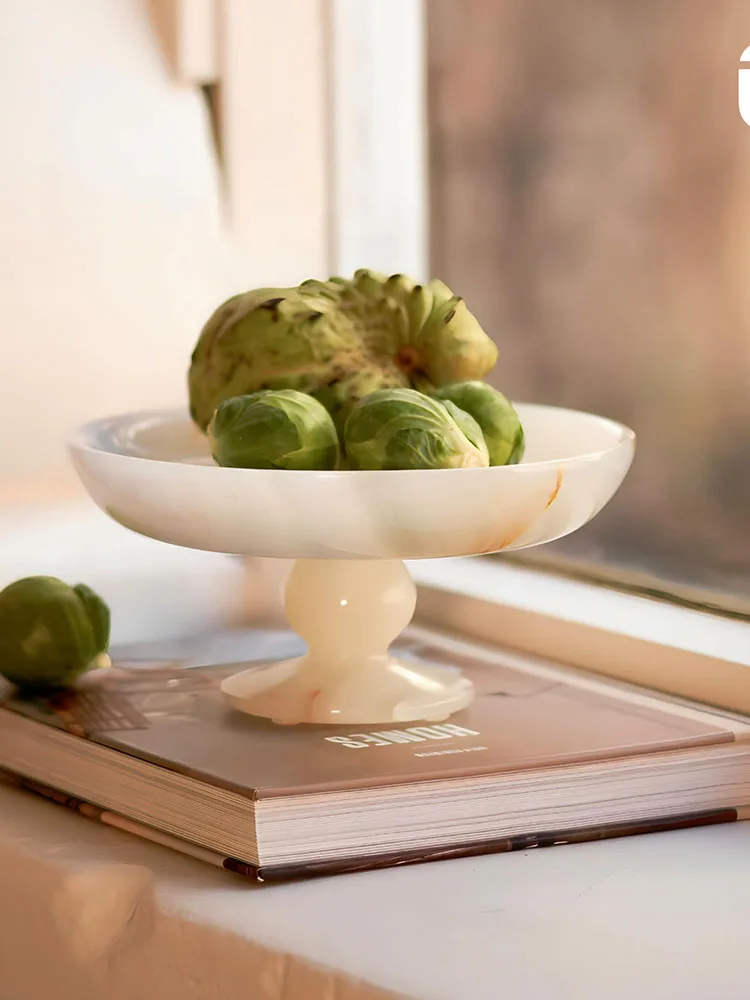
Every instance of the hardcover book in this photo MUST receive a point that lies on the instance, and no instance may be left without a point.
(545, 754)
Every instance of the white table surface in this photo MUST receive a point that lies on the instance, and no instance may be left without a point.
(106, 915)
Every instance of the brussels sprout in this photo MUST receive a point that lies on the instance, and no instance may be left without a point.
(337, 340)
(468, 425)
(50, 633)
(404, 429)
(496, 416)
(274, 430)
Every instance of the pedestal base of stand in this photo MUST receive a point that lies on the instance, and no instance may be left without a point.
(365, 694)
(349, 612)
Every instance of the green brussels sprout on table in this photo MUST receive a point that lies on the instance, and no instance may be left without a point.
(496, 416)
(338, 340)
(404, 429)
(274, 430)
(51, 633)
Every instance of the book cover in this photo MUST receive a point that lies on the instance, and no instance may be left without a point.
(164, 706)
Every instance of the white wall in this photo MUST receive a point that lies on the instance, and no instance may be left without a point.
(113, 249)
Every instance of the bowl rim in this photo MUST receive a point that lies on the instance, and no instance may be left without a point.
(79, 441)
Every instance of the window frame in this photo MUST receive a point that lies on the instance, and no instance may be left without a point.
(377, 55)
(640, 640)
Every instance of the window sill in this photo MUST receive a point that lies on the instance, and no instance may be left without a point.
(687, 653)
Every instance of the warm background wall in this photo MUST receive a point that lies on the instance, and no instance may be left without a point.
(115, 241)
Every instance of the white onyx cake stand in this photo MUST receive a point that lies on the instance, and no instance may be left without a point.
(349, 594)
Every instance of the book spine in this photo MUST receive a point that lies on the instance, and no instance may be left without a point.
(118, 822)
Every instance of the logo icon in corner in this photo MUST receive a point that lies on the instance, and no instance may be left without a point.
(743, 86)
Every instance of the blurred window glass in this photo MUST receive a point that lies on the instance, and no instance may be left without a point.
(590, 198)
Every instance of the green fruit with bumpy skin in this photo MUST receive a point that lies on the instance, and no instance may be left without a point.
(50, 633)
(496, 416)
(404, 429)
(274, 430)
(338, 340)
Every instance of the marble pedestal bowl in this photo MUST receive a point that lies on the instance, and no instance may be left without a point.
(349, 594)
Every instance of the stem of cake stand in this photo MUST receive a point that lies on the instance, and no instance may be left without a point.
(349, 611)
